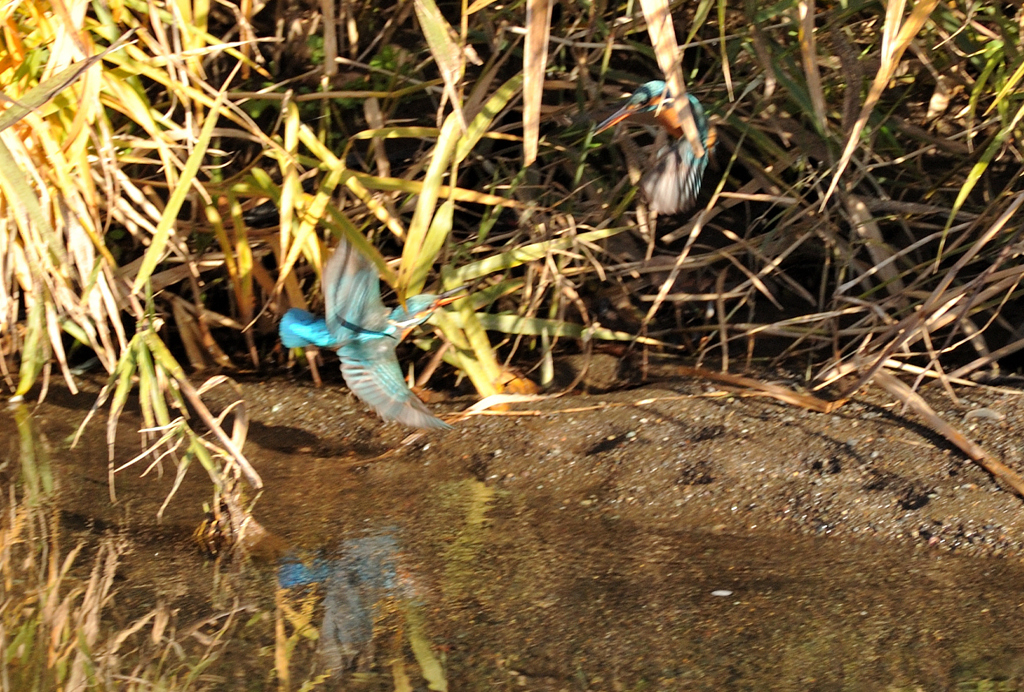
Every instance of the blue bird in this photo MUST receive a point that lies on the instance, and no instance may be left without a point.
(364, 334)
(673, 184)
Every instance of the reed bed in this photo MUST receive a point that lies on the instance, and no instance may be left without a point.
(859, 215)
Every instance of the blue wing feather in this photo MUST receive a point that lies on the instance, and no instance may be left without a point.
(352, 293)
(371, 371)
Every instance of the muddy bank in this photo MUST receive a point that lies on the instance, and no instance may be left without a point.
(685, 454)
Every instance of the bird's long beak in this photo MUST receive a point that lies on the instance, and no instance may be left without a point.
(450, 296)
(615, 118)
(440, 301)
(631, 109)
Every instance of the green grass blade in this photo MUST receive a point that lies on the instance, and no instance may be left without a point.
(34, 351)
(527, 253)
(169, 217)
(51, 86)
(450, 59)
(478, 128)
(415, 262)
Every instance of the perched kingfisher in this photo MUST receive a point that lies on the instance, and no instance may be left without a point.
(673, 184)
(365, 334)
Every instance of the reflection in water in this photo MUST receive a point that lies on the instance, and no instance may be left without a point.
(362, 583)
(362, 576)
(36, 477)
(50, 615)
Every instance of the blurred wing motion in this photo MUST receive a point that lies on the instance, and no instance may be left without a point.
(358, 328)
(352, 295)
(673, 185)
(371, 371)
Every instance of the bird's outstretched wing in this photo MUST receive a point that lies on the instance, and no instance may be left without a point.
(352, 294)
(372, 373)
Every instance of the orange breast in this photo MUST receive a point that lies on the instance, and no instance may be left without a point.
(668, 118)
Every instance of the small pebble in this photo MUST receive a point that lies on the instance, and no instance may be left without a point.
(721, 593)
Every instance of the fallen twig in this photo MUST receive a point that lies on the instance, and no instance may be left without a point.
(913, 400)
(783, 394)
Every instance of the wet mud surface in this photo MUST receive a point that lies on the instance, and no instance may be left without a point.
(672, 536)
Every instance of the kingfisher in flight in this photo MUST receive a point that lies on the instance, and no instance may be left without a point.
(365, 334)
(673, 184)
